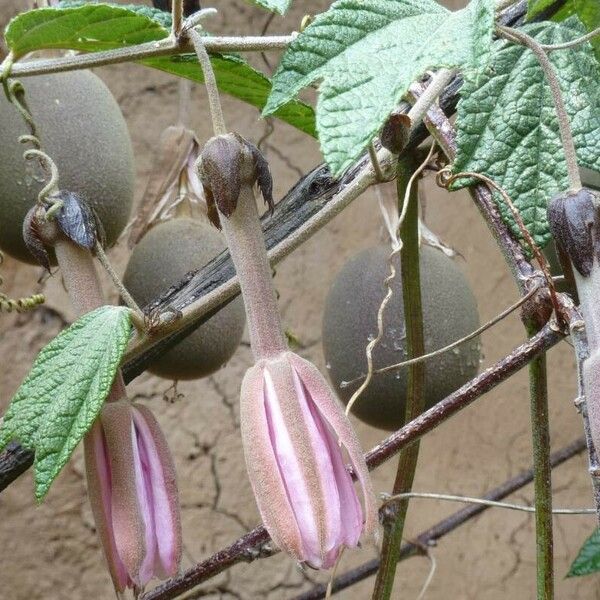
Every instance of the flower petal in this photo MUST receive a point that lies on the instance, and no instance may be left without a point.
(263, 469)
(99, 491)
(128, 523)
(160, 472)
(333, 413)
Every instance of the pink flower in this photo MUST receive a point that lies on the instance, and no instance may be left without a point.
(133, 493)
(295, 432)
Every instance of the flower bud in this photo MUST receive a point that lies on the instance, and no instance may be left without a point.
(295, 436)
(133, 493)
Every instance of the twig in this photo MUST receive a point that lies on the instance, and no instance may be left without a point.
(247, 548)
(408, 195)
(490, 503)
(176, 17)
(446, 526)
(564, 125)
(165, 47)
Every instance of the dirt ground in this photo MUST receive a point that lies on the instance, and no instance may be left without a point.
(51, 551)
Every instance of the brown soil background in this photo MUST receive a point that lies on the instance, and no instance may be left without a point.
(51, 551)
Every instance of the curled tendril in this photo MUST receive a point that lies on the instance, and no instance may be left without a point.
(49, 166)
(445, 178)
(16, 95)
(21, 304)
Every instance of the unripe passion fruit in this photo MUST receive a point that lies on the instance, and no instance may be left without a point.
(350, 322)
(81, 127)
(163, 256)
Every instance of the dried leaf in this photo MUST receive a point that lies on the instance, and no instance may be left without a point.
(33, 239)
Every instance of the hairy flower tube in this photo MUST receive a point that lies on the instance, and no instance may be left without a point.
(133, 493)
(295, 433)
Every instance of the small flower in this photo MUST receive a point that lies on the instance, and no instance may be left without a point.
(133, 493)
(295, 432)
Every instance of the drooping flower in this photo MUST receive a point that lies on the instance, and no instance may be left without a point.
(295, 436)
(133, 494)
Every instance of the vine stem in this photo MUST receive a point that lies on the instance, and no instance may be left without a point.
(542, 479)
(564, 125)
(210, 81)
(415, 400)
(165, 47)
(176, 17)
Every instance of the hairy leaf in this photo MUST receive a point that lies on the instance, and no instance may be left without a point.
(366, 53)
(94, 27)
(507, 126)
(588, 558)
(65, 389)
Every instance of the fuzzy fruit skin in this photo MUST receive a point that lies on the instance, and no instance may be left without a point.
(350, 322)
(164, 255)
(81, 127)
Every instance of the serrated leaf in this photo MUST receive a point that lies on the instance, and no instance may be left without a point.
(63, 393)
(94, 27)
(278, 6)
(367, 53)
(507, 126)
(588, 558)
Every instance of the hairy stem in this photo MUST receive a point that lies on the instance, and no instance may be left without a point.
(564, 125)
(247, 248)
(83, 286)
(415, 402)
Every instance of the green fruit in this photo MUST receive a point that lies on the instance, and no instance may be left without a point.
(350, 322)
(163, 256)
(81, 127)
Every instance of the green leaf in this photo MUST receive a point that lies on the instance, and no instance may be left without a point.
(367, 53)
(588, 559)
(94, 27)
(278, 6)
(588, 12)
(507, 126)
(236, 78)
(89, 27)
(65, 389)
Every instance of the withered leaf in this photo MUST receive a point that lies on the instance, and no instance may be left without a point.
(263, 175)
(395, 132)
(572, 217)
(33, 239)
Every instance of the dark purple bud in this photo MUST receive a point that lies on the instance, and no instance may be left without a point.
(76, 219)
(572, 218)
(227, 163)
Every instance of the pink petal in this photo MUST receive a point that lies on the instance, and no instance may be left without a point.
(99, 491)
(291, 473)
(263, 469)
(143, 485)
(162, 489)
(127, 520)
(332, 412)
